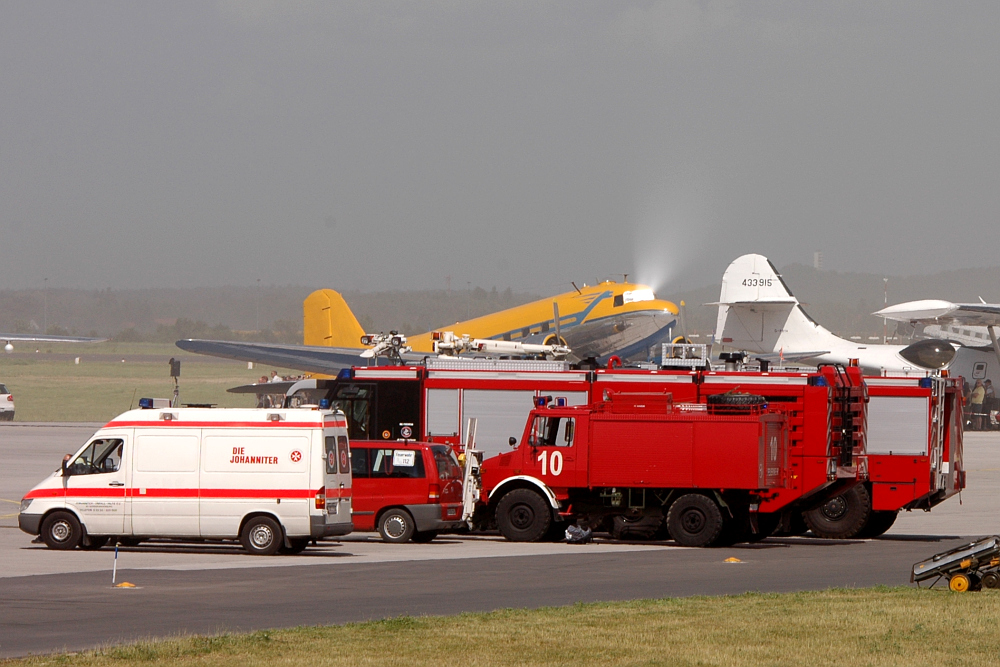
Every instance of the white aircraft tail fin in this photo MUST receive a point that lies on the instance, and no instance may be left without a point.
(758, 313)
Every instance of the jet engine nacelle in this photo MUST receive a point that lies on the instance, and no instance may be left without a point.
(930, 353)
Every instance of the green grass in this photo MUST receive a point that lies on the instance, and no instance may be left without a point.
(49, 386)
(867, 627)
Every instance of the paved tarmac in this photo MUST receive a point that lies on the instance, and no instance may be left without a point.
(53, 601)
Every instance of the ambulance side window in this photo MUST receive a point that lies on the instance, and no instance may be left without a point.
(359, 462)
(100, 456)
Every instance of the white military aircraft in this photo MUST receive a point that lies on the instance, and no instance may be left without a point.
(9, 339)
(971, 324)
(758, 314)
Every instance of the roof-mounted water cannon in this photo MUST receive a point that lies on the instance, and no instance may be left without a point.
(733, 360)
(391, 345)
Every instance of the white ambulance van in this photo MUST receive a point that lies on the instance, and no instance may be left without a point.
(274, 479)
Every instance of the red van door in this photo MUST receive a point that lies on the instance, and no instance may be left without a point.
(366, 498)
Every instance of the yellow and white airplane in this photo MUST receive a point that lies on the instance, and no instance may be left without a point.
(610, 318)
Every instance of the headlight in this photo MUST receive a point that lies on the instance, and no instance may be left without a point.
(25, 503)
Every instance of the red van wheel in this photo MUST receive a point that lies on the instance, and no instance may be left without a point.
(396, 526)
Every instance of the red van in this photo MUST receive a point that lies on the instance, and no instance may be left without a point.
(405, 490)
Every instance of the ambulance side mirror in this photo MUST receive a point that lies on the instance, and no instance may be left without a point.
(64, 471)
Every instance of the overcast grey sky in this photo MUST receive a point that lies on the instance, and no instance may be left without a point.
(389, 145)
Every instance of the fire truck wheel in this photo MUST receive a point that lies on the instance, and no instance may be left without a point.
(298, 545)
(261, 536)
(959, 583)
(396, 526)
(424, 536)
(842, 517)
(878, 523)
(93, 543)
(991, 580)
(523, 516)
(61, 530)
(694, 520)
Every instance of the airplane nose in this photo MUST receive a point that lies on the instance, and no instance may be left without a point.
(932, 354)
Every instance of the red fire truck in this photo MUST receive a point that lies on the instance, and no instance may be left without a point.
(915, 461)
(696, 468)
(433, 403)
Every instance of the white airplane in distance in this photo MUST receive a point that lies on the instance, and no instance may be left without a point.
(758, 314)
(971, 324)
(10, 338)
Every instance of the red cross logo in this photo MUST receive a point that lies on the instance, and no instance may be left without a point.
(296, 456)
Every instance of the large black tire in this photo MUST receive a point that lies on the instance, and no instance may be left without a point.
(62, 531)
(298, 545)
(396, 526)
(523, 516)
(694, 520)
(843, 517)
(261, 536)
(878, 523)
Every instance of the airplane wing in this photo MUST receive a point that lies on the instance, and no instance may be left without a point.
(36, 338)
(936, 311)
(309, 358)
(789, 356)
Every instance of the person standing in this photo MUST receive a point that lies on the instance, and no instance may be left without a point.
(976, 400)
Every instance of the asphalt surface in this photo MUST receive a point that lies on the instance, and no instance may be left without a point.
(54, 601)
(77, 611)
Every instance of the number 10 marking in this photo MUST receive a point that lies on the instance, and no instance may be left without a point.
(556, 464)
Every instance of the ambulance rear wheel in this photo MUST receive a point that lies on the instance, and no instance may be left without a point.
(261, 536)
(396, 526)
(523, 516)
(62, 531)
(842, 517)
(298, 545)
(694, 520)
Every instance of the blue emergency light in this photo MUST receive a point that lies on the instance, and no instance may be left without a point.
(818, 381)
(926, 383)
(345, 374)
(324, 403)
(146, 403)
(561, 402)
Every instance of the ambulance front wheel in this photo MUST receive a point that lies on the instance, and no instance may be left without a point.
(61, 530)
(523, 516)
(261, 536)
(396, 526)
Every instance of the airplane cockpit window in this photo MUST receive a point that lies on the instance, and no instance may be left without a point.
(104, 455)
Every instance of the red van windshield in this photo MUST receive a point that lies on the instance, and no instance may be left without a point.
(447, 462)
